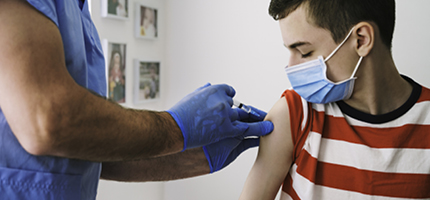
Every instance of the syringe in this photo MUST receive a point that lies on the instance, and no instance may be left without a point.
(245, 108)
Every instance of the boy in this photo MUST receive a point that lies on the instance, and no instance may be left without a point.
(352, 127)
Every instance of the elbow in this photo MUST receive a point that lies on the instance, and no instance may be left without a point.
(35, 143)
(35, 147)
(38, 143)
(40, 138)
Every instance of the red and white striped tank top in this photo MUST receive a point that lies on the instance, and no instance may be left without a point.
(341, 153)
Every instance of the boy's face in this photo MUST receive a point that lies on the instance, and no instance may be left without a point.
(306, 42)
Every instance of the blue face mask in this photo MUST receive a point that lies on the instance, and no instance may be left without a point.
(310, 81)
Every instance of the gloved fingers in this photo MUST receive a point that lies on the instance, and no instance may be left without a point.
(205, 86)
(217, 153)
(234, 115)
(223, 107)
(248, 143)
(216, 94)
(258, 128)
(258, 111)
(249, 117)
(228, 90)
(241, 147)
(239, 129)
(242, 115)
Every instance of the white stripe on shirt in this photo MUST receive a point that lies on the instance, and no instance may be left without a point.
(407, 160)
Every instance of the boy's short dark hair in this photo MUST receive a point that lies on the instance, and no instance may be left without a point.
(339, 16)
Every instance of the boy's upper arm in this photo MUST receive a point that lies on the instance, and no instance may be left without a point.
(33, 74)
(279, 143)
(274, 157)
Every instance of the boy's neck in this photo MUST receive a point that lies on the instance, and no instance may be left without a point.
(379, 88)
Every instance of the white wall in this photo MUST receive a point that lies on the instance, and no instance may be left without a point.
(234, 42)
(223, 41)
(411, 39)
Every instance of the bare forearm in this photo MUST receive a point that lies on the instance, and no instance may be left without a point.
(103, 131)
(186, 164)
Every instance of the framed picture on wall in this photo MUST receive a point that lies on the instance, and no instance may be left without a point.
(146, 22)
(117, 9)
(115, 55)
(146, 81)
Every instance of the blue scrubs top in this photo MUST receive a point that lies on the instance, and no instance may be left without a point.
(24, 176)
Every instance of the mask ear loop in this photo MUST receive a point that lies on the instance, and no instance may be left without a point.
(340, 45)
(356, 67)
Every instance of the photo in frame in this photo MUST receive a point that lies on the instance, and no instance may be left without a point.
(146, 22)
(117, 9)
(146, 81)
(115, 59)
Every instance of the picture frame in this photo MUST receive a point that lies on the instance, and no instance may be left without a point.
(147, 79)
(146, 21)
(115, 54)
(116, 9)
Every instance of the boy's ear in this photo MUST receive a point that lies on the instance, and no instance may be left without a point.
(365, 37)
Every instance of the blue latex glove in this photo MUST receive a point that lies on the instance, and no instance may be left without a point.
(205, 116)
(222, 153)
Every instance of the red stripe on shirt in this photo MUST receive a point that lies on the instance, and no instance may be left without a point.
(288, 188)
(296, 109)
(425, 95)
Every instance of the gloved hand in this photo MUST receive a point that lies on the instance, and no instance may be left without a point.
(222, 153)
(205, 116)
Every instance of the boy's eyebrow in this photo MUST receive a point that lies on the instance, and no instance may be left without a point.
(297, 44)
